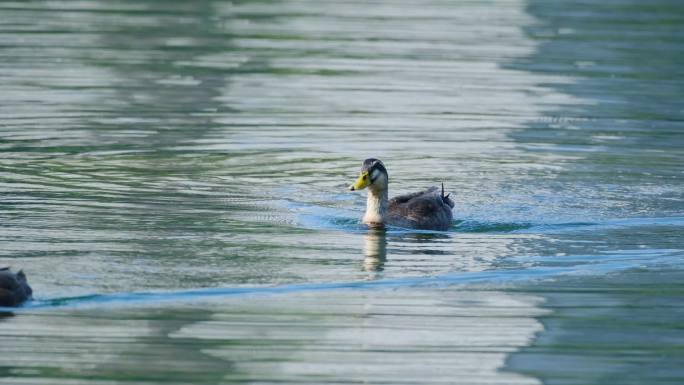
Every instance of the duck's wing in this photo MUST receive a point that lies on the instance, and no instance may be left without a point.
(427, 209)
(402, 199)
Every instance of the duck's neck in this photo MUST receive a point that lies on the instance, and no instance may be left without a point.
(376, 206)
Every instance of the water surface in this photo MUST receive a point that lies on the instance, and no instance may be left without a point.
(173, 181)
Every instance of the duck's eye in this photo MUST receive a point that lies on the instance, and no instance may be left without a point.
(365, 177)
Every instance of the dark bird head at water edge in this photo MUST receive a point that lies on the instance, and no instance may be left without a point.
(14, 288)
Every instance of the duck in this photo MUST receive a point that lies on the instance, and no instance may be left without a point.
(14, 289)
(429, 209)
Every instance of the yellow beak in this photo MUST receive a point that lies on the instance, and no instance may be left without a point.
(361, 182)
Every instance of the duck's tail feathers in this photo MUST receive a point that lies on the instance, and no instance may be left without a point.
(446, 199)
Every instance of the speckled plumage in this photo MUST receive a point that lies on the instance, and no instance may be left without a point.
(426, 210)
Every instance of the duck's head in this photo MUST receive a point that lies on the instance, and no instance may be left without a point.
(373, 174)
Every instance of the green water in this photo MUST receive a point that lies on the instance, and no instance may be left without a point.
(173, 181)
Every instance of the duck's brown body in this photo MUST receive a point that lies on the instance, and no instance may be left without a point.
(14, 289)
(425, 210)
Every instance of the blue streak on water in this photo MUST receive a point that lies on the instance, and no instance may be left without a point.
(581, 265)
(607, 224)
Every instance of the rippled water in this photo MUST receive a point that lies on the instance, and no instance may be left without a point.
(172, 180)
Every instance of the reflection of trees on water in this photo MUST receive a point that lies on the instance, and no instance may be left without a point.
(617, 141)
(166, 97)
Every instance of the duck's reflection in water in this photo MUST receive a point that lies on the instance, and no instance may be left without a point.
(374, 250)
(423, 243)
